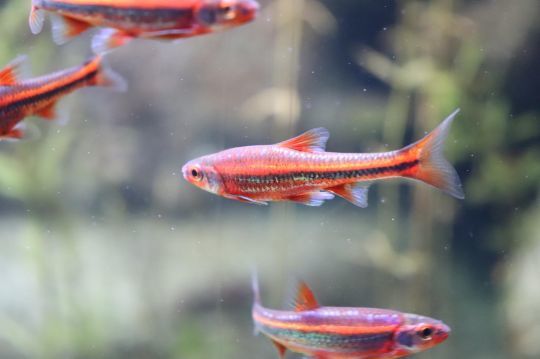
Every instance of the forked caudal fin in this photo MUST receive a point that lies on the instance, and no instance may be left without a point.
(433, 168)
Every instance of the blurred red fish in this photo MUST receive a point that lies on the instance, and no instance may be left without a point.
(129, 19)
(345, 333)
(299, 170)
(38, 96)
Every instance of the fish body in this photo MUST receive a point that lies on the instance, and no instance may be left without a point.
(38, 96)
(300, 170)
(129, 19)
(345, 333)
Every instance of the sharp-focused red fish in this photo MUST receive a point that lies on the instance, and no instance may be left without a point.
(345, 333)
(38, 96)
(299, 170)
(129, 19)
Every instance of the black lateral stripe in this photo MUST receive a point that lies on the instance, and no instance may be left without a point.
(47, 95)
(112, 12)
(334, 175)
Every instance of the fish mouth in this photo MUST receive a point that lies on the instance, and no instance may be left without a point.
(185, 169)
(444, 332)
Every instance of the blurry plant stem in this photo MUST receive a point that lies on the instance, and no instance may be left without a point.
(289, 30)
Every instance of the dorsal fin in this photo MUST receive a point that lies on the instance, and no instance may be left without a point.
(9, 75)
(311, 141)
(305, 299)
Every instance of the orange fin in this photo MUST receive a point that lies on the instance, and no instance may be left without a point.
(9, 75)
(22, 131)
(314, 199)
(305, 299)
(15, 134)
(311, 141)
(65, 28)
(48, 113)
(356, 193)
(109, 39)
(280, 348)
(433, 168)
(36, 18)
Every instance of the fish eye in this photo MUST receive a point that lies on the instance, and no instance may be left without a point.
(228, 12)
(426, 333)
(196, 174)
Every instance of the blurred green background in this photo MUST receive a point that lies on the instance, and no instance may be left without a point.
(106, 252)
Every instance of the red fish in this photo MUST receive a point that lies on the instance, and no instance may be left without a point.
(129, 19)
(299, 170)
(345, 333)
(38, 96)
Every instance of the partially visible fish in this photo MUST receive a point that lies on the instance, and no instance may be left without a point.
(345, 333)
(38, 96)
(300, 170)
(125, 20)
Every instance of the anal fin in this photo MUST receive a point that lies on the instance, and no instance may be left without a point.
(313, 199)
(280, 348)
(356, 193)
(48, 113)
(65, 28)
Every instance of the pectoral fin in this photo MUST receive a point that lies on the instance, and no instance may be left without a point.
(36, 19)
(356, 193)
(247, 200)
(16, 133)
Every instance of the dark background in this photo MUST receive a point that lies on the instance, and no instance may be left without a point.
(107, 252)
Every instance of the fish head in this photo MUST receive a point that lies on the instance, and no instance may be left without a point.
(201, 172)
(227, 13)
(419, 333)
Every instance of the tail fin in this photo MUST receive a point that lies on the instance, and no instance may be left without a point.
(37, 17)
(434, 169)
(108, 78)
